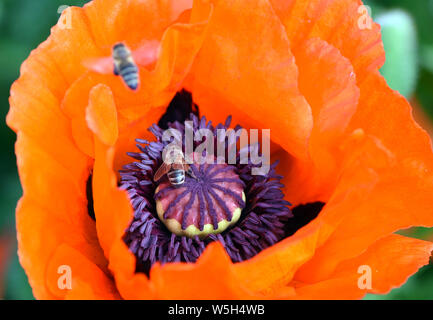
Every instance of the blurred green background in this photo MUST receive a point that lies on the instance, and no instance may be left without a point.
(408, 39)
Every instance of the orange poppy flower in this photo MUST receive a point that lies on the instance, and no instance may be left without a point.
(355, 165)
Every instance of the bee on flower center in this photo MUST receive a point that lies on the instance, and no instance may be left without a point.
(175, 167)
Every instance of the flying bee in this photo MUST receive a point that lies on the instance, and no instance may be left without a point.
(125, 66)
(125, 63)
(175, 167)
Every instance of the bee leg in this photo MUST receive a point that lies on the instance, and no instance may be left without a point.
(191, 173)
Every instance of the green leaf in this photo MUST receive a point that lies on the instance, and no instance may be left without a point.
(17, 285)
(426, 57)
(399, 39)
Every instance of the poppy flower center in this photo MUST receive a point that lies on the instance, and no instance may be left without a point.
(209, 202)
(177, 216)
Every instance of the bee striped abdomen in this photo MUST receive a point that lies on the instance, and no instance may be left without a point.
(129, 74)
(176, 177)
(124, 65)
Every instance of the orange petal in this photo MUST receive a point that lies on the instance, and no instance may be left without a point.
(180, 44)
(245, 69)
(268, 272)
(76, 101)
(388, 159)
(302, 183)
(131, 21)
(83, 291)
(101, 114)
(35, 110)
(328, 82)
(69, 267)
(338, 22)
(113, 210)
(131, 285)
(387, 115)
(391, 260)
(53, 200)
(211, 277)
(62, 53)
(74, 105)
(53, 175)
(113, 213)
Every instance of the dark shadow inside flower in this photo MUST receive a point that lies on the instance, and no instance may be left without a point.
(89, 194)
(179, 109)
(302, 215)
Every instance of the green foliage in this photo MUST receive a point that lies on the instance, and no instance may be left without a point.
(427, 57)
(399, 40)
(16, 286)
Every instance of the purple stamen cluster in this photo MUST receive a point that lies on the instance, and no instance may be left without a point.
(261, 224)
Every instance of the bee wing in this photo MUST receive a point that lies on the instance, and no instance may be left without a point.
(146, 53)
(162, 170)
(103, 65)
